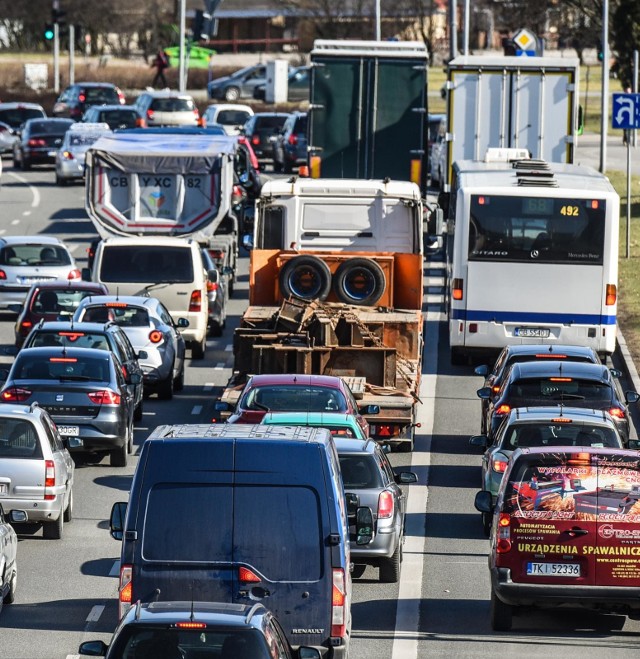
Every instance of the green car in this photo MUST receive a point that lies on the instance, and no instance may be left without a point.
(339, 424)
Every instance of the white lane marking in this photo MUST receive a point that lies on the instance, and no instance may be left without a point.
(115, 569)
(2, 231)
(95, 613)
(219, 366)
(229, 348)
(72, 247)
(208, 386)
(196, 409)
(73, 656)
(149, 413)
(14, 222)
(34, 190)
(405, 646)
(26, 213)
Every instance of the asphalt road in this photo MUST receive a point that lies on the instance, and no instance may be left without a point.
(67, 589)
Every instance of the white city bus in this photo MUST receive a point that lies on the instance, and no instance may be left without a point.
(532, 256)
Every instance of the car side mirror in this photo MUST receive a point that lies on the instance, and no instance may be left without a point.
(183, 322)
(484, 393)
(634, 444)
(353, 501)
(221, 406)
(631, 396)
(364, 526)
(370, 409)
(116, 522)
(247, 242)
(481, 441)
(17, 516)
(142, 354)
(93, 648)
(481, 370)
(86, 274)
(405, 477)
(135, 378)
(483, 502)
(615, 372)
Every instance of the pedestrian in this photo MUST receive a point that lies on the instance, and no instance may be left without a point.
(160, 63)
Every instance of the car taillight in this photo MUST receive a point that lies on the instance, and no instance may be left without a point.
(385, 505)
(3, 274)
(141, 123)
(502, 409)
(26, 325)
(122, 100)
(74, 274)
(617, 413)
(338, 604)
(155, 336)
(212, 286)
(104, 397)
(457, 290)
(125, 589)
(255, 140)
(82, 98)
(49, 478)
(15, 395)
(293, 139)
(195, 304)
(236, 194)
(245, 575)
(149, 114)
(499, 465)
(612, 295)
(503, 544)
(216, 253)
(67, 155)
(36, 142)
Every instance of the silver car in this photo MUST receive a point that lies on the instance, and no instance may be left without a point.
(12, 116)
(36, 469)
(71, 155)
(25, 260)
(152, 333)
(8, 551)
(217, 292)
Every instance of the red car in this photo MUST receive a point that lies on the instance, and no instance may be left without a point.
(294, 393)
(52, 300)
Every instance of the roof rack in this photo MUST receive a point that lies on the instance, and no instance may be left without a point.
(534, 182)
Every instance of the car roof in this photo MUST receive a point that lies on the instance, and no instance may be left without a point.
(111, 106)
(350, 445)
(233, 431)
(138, 300)
(230, 106)
(66, 351)
(559, 368)
(296, 379)
(223, 613)
(259, 115)
(68, 326)
(547, 414)
(32, 240)
(50, 120)
(16, 105)
(94, 84)
(311, 418)
(544, 350)
(167, 93)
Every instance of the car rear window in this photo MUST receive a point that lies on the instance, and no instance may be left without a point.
(360, 472)
(125, 316)
(119, 118)
(70, 338)
(232, 117)
(269, 123)
(294, 399)
(81, 369)
(300, 125)
(565, 433)
(19, 439)
(17, 116)
(63, 301)
(559, 389)
(172, 105)
(34, 254)
(96, 95)
(49, 127)
(146, 264)
(83, 139)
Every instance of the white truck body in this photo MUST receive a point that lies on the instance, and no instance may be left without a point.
(511, 102)
(159, 184)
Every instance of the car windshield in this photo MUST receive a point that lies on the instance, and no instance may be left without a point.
(83, 139)
(294, 398)
(19, 440)
(146, 264)
(269, 123)
(360, 472)
(27, 367)
(17, 116)
(558, 433)
(34, 254)
(153, 642)
(119, 118)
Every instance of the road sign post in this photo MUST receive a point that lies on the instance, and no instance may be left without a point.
(626, 115)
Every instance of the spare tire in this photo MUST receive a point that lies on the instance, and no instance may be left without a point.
(305, 277)
(359, 281)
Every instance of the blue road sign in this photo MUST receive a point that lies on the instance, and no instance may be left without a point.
(626, 111)
(525, 53)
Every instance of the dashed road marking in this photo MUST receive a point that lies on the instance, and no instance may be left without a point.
(115, 569)
(95, 613)
(229, 348)
(219, 366)
(196, 409)
(14, 222)
(25, 213)
(208, 386)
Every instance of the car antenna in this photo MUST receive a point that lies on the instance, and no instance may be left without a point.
(191, 616)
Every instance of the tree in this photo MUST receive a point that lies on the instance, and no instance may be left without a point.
(625, 25)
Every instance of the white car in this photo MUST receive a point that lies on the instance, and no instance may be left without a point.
(77, 141)
(25, 260)
(167, 108)
(230, 117)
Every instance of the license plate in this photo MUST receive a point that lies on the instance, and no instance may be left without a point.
(52, 154)
(31, 280)
(532, 332)
(4, 488)
(553, 569)
(69, 431)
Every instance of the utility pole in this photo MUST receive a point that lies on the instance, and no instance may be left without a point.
(453, 28)
(55, 13)
(605, 86)
(182, 52)
(72, 54)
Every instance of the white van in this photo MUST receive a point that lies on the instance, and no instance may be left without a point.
(170, 269)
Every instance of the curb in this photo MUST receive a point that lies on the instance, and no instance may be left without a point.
(631, 371)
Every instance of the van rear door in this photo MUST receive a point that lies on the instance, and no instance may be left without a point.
(540, 535)
(185, 543)
(617, 547)
(282, 534)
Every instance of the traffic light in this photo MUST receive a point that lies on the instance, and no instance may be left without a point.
(198, 26)
(600, 50)
(48, 32)
(57, 16)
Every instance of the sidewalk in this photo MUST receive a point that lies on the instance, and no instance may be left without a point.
(588, 153)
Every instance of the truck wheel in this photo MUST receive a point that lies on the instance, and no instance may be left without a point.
(390, 567)
(359, 281)
(501, 614)
(305, 277)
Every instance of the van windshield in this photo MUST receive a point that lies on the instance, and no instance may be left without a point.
(146, 264)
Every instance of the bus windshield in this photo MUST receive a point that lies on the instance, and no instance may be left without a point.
(537, 229)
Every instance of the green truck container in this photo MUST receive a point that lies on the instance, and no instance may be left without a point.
(368, 110)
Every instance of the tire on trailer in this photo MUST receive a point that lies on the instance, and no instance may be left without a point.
(305, 277)
(359, 281)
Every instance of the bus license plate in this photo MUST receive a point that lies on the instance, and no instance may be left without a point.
(553, 569)
(69, 431)
(532, 332)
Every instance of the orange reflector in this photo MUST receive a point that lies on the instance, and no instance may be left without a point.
(315, 166)
(303, 171)
(504, 520)
(612, 295)
(125, 593)
(595, 204)
(416, 171)
(499, 466)
(503, 409)
(457, 289)
(245, 575)
(384, 431)
(63, 359)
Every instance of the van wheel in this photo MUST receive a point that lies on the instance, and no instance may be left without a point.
(486, 524)
(359, 281)
(178, 383)
(10, 597)
(118, 457)
(501, 614)
(390, 567)
(68, 511)
(358, 570)
(165, 389)
(198, 349)
(305, 277)
(53, 530)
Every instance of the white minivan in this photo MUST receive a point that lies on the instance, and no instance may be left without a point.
(170, 269)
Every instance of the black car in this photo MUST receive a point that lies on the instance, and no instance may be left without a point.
(176, 630)
(262, 132)
(518, 354)
(75, 99)
(290, 147)
(39, 142)
(99, 336)
(574, 384)
(84, 392)
(115, 116)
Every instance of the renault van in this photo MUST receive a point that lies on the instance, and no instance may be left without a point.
(170, 269)
(565, 532)
(243, 513)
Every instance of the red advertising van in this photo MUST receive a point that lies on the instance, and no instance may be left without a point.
(566, 532)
